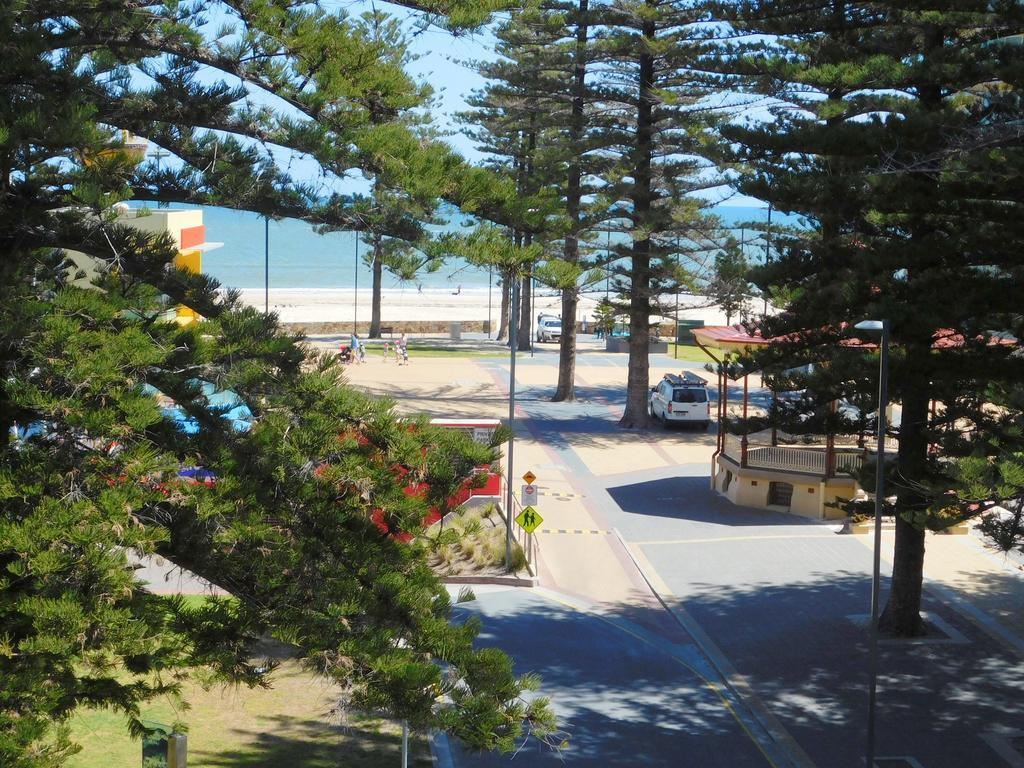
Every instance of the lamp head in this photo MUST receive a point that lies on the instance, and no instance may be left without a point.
(870, 325)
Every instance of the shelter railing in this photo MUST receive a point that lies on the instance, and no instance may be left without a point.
(807, 459)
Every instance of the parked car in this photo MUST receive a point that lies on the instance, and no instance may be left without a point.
(549, 328)
(681, 399)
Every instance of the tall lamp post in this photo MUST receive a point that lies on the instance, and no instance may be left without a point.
(675, 346)
(877, 326)
(355, 291)
(767, 257)
(266, 265)
(607, 269)
(513, 338)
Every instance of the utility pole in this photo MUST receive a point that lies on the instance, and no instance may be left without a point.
(355, 292)
(767, 251)
(509, 474)
(675, 330)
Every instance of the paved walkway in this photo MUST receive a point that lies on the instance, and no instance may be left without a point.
(768, 603)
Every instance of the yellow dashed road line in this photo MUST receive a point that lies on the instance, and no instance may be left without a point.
(574, 530)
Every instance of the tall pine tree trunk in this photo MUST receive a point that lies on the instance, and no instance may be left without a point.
(566, 389)
(525, 315)
(378, 279)
(637, 380)
(902, 614)
(506, 289)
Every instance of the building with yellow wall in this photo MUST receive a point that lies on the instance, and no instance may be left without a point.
(186, 228)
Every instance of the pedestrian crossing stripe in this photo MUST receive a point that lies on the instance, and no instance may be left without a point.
(575, 530)
(558, 495)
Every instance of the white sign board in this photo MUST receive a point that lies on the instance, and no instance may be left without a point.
(528, 498)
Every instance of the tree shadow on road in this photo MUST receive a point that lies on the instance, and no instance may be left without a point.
(628, 702)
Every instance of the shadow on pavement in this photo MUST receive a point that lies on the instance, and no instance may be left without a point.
(808, 662)
(626, 702)
(690, 498)
(620, 700)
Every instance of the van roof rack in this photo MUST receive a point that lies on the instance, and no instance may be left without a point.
(686, 379)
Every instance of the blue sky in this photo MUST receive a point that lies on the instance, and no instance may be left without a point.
(440, 62)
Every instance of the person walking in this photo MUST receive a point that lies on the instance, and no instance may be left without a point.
(358, 350)
(402, 349)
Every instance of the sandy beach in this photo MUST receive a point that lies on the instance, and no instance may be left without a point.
(315, 306)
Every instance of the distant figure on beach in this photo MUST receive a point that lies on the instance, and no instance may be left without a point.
(357, 347)
(419, 288)
(457, 292)
(402, 349)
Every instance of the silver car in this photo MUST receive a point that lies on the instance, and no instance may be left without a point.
(549, 328)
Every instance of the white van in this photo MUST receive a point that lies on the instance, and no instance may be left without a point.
(549, 328)
(681, 399)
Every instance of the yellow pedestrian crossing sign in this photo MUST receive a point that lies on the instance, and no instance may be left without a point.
(529, 477)
(529, 520)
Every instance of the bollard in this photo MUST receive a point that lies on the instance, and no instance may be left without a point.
(177, 750)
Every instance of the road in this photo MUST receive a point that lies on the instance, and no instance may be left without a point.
(766, 606)
(623, 695)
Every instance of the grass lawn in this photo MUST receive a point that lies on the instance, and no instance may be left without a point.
(689, 354)
(375, 350)
(431, 350)
(287, 726)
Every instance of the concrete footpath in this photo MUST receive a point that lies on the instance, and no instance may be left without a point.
(759, 608)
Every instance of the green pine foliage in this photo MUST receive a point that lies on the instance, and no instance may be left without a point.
(660, 110)
(729, 285)
(896, 135)
(297, 526)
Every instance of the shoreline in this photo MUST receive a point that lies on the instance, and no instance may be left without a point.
(329, 306)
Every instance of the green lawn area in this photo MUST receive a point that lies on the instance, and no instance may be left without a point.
(287, 726)
(439, 350)
(689, 354)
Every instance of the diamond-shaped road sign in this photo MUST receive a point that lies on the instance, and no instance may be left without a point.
(529, 477)
(529, 519)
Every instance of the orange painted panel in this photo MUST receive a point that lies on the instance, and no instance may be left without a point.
(192, 236)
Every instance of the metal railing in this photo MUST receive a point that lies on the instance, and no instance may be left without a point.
(784, 458)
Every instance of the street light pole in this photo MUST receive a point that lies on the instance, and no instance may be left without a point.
(883, 402)
(767, 255)
(355, 291)
(675, 346)
(266, 265)
(490, 280)
(607, 269)
(513, 339)
(158, 154)
(533, 305)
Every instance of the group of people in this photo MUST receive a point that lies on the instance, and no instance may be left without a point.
(355, 352)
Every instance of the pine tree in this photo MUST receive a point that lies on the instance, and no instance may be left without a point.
(654, 96)
(729, 285)
(896, 138)
(512, 123)
(91, 467)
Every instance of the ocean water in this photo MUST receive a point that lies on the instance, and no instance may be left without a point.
(301, 258)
